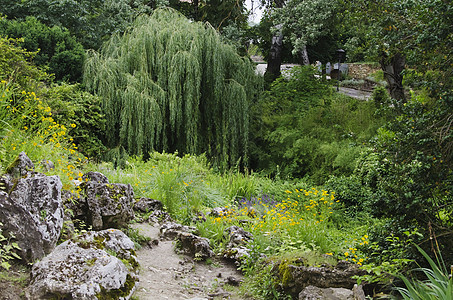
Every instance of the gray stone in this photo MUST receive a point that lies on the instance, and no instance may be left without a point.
(159, 216)
(86, 269)
(19, 222)
(326, 276)
(109, 205)
(21, 167)
(237, 247)
(33, 210)
(171, 230)
(358, 292)
(95, 176)
(41, 197)
(316, 293)
(147, 205)
(194, 245)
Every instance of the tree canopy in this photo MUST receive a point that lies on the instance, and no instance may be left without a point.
(170, 84)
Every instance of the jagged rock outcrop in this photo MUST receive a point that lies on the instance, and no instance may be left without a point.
(31, 208)
(295, 277)
(160, 217)
(147, 205)
(95, 265)
(21, 167)
(95, 177)
(171, 230)
(109, 205)
(237, 247)
(18, 222)
(41, 198)
(194, 245)
(101, 204)
(188, 242)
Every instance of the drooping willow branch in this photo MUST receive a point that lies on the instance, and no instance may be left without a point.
(170, 84)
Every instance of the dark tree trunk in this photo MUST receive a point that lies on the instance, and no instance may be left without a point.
(274, 61)
(393, 68)
(305, 59)
(195, 7)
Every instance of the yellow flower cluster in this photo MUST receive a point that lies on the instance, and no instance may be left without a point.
(33, 118)
(353, 254)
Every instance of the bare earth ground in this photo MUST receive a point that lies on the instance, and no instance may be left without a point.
(165, 274)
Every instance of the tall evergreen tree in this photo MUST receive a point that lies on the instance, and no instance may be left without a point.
(170, 84)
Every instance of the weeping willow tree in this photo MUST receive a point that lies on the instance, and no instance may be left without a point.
(169, 84)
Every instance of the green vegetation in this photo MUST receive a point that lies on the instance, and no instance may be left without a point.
(164, 85)
(56, 48)
(168, 106)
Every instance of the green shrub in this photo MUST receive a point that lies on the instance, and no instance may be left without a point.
(81, 113)
(305, 131)
(55, 48)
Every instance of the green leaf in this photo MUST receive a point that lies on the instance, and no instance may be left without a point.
(5, 265)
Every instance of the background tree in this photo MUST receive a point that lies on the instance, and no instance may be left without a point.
(219, 13)
(306, 22)
(55, 47)
(91, 21)
(170, 84)
(409, 172)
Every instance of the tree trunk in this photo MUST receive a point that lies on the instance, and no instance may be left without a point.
(305, 59)
(195, 6)
(393, 68)
(274, 60)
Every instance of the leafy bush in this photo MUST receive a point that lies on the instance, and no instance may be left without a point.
(79, 111)
(15, 66)
(301, 129)
(55, 48)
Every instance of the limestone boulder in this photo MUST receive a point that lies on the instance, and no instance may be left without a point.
(19, 223)
(194, 245)
(316, 293)
(96, 265)
(41, 198)
(297, 277)
(159, 217)
(237, 247)
(31, 208)
(171, 230)
(105, 205)
(95, 176)
(21, 167)
(147, 205)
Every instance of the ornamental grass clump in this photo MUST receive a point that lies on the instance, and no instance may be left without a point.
(438, 284)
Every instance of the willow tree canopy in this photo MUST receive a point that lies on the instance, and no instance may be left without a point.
(170, 84)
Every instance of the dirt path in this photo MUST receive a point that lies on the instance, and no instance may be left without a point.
(167, 275)
(358, 94)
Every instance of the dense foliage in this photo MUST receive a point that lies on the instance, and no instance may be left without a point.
(55, 47)
(300, 128)
(172, 85)
(90, 21)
